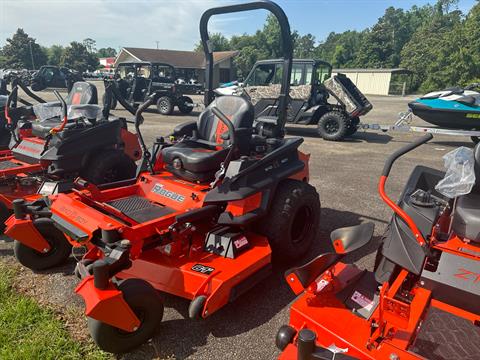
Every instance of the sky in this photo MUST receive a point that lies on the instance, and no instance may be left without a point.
(174, 23)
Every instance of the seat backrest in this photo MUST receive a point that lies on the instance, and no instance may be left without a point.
(476, 167)
(237, 109)
(82, 93)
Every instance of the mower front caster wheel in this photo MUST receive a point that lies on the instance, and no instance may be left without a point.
(146, 303)
(59, 252)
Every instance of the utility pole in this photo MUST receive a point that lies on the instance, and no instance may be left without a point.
(157, 43)
(31, 54)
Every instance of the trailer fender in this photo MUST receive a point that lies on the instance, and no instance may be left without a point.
(107, 306)
(24, 231)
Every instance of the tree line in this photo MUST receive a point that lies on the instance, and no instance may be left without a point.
(23, 52)
(439, 43)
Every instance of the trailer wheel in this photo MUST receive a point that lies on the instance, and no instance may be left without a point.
(165, 105)
(292, 221)
(145, 303)
(183, 105)
(58, 254)
(110, 166)
(4, 215)
(333, 126)
(113, 102)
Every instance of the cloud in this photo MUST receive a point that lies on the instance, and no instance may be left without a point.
(137, 23)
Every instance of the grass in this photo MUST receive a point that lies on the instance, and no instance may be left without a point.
(29, 331)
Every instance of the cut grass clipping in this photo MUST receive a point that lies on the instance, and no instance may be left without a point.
(28, 331)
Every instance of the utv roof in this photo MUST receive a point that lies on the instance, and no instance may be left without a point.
(295, 61)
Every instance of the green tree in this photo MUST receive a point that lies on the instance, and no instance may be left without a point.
(218, 41)
(19, 51)
(90, 44)
(77, 57)
(55, 53)
(304, 46)
(106, 52)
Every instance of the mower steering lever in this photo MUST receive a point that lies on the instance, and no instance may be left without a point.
(383, 179)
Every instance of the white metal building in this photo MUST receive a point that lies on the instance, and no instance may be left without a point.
(379, 81)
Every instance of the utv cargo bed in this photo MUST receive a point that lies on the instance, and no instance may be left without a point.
(345, 91)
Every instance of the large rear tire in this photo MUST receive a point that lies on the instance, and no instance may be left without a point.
(145, 303)
(292, 221)
(58, 254)
(110, 166)
(333, 125)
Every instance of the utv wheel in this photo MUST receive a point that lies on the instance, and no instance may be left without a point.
(145, 303)
(165, 105)
(352, 126)
(183, 103)
(110, 166)
(58, 254)
(113, 102)
(284, 336)
(4, 215)
(292, 222)
(333, 126)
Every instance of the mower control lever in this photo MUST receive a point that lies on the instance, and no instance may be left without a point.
(381, 186)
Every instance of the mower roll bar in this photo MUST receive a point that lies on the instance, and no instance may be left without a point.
(10, 99)
(381, 186)
(287, 48)
(138, 121)
(64, 114)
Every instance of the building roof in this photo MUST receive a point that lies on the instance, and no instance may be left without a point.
(396, 70)
(178, 58)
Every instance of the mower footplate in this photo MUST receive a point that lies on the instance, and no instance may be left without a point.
(7, 164)
(140, 209)
(218, 278)
(444, 335)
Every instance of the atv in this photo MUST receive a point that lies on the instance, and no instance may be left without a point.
(136, 81)
(421, 300)
(311, 87)
(49, 153)
(202, 220)
(49, 76)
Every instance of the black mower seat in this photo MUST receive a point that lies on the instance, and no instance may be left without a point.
(199, 157)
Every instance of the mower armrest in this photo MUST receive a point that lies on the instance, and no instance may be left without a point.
(185, 129)
(239, 133)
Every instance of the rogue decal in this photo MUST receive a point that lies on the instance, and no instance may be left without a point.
(160, 190)
(468, 275)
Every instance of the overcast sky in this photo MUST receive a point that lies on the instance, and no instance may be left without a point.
(174, 23)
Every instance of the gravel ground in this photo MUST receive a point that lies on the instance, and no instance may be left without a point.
(345, 175)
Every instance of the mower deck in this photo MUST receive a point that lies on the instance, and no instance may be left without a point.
(221, 279)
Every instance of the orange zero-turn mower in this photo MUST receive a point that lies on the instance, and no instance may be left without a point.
(49, 154)
(201, 221)
(422, 299)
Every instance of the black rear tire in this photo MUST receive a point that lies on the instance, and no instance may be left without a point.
(292, 221)
(146, 304)
(110, 166)
(182, 107)
(58, 254)
(5, 213)
(333, 125)
(165, 105)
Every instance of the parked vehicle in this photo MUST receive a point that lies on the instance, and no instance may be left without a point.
(311, 87)
(49, 76)
(136, 81)
(421, 300)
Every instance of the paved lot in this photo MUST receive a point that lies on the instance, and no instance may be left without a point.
(345, 175)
